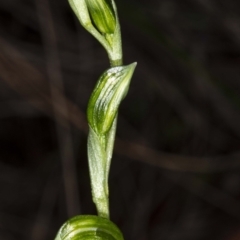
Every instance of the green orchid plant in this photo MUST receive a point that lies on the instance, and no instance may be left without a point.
(100, 18)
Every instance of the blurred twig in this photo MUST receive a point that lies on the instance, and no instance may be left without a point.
(211, 194)
(43, 219)
(16, 71)
(220, 104)
(64, 134)
(228, 21)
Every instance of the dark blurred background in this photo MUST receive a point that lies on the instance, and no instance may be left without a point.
(176, 165)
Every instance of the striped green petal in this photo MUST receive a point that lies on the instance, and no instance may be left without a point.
(102, 14)
(111, 88)
(89, 227)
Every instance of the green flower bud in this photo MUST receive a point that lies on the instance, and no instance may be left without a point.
(111, 88)
(89, 227)
(102, 14)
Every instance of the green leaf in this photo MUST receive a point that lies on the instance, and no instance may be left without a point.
(104, 102)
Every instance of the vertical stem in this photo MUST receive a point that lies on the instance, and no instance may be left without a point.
(97, 163)
(106, 142)
(116, 57)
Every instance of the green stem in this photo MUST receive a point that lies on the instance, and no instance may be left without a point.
(102, 110)
(97, 163)
(100, 148)
(106, 142)
(115, 53)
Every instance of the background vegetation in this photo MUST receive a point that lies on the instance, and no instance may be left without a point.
(175, 171)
